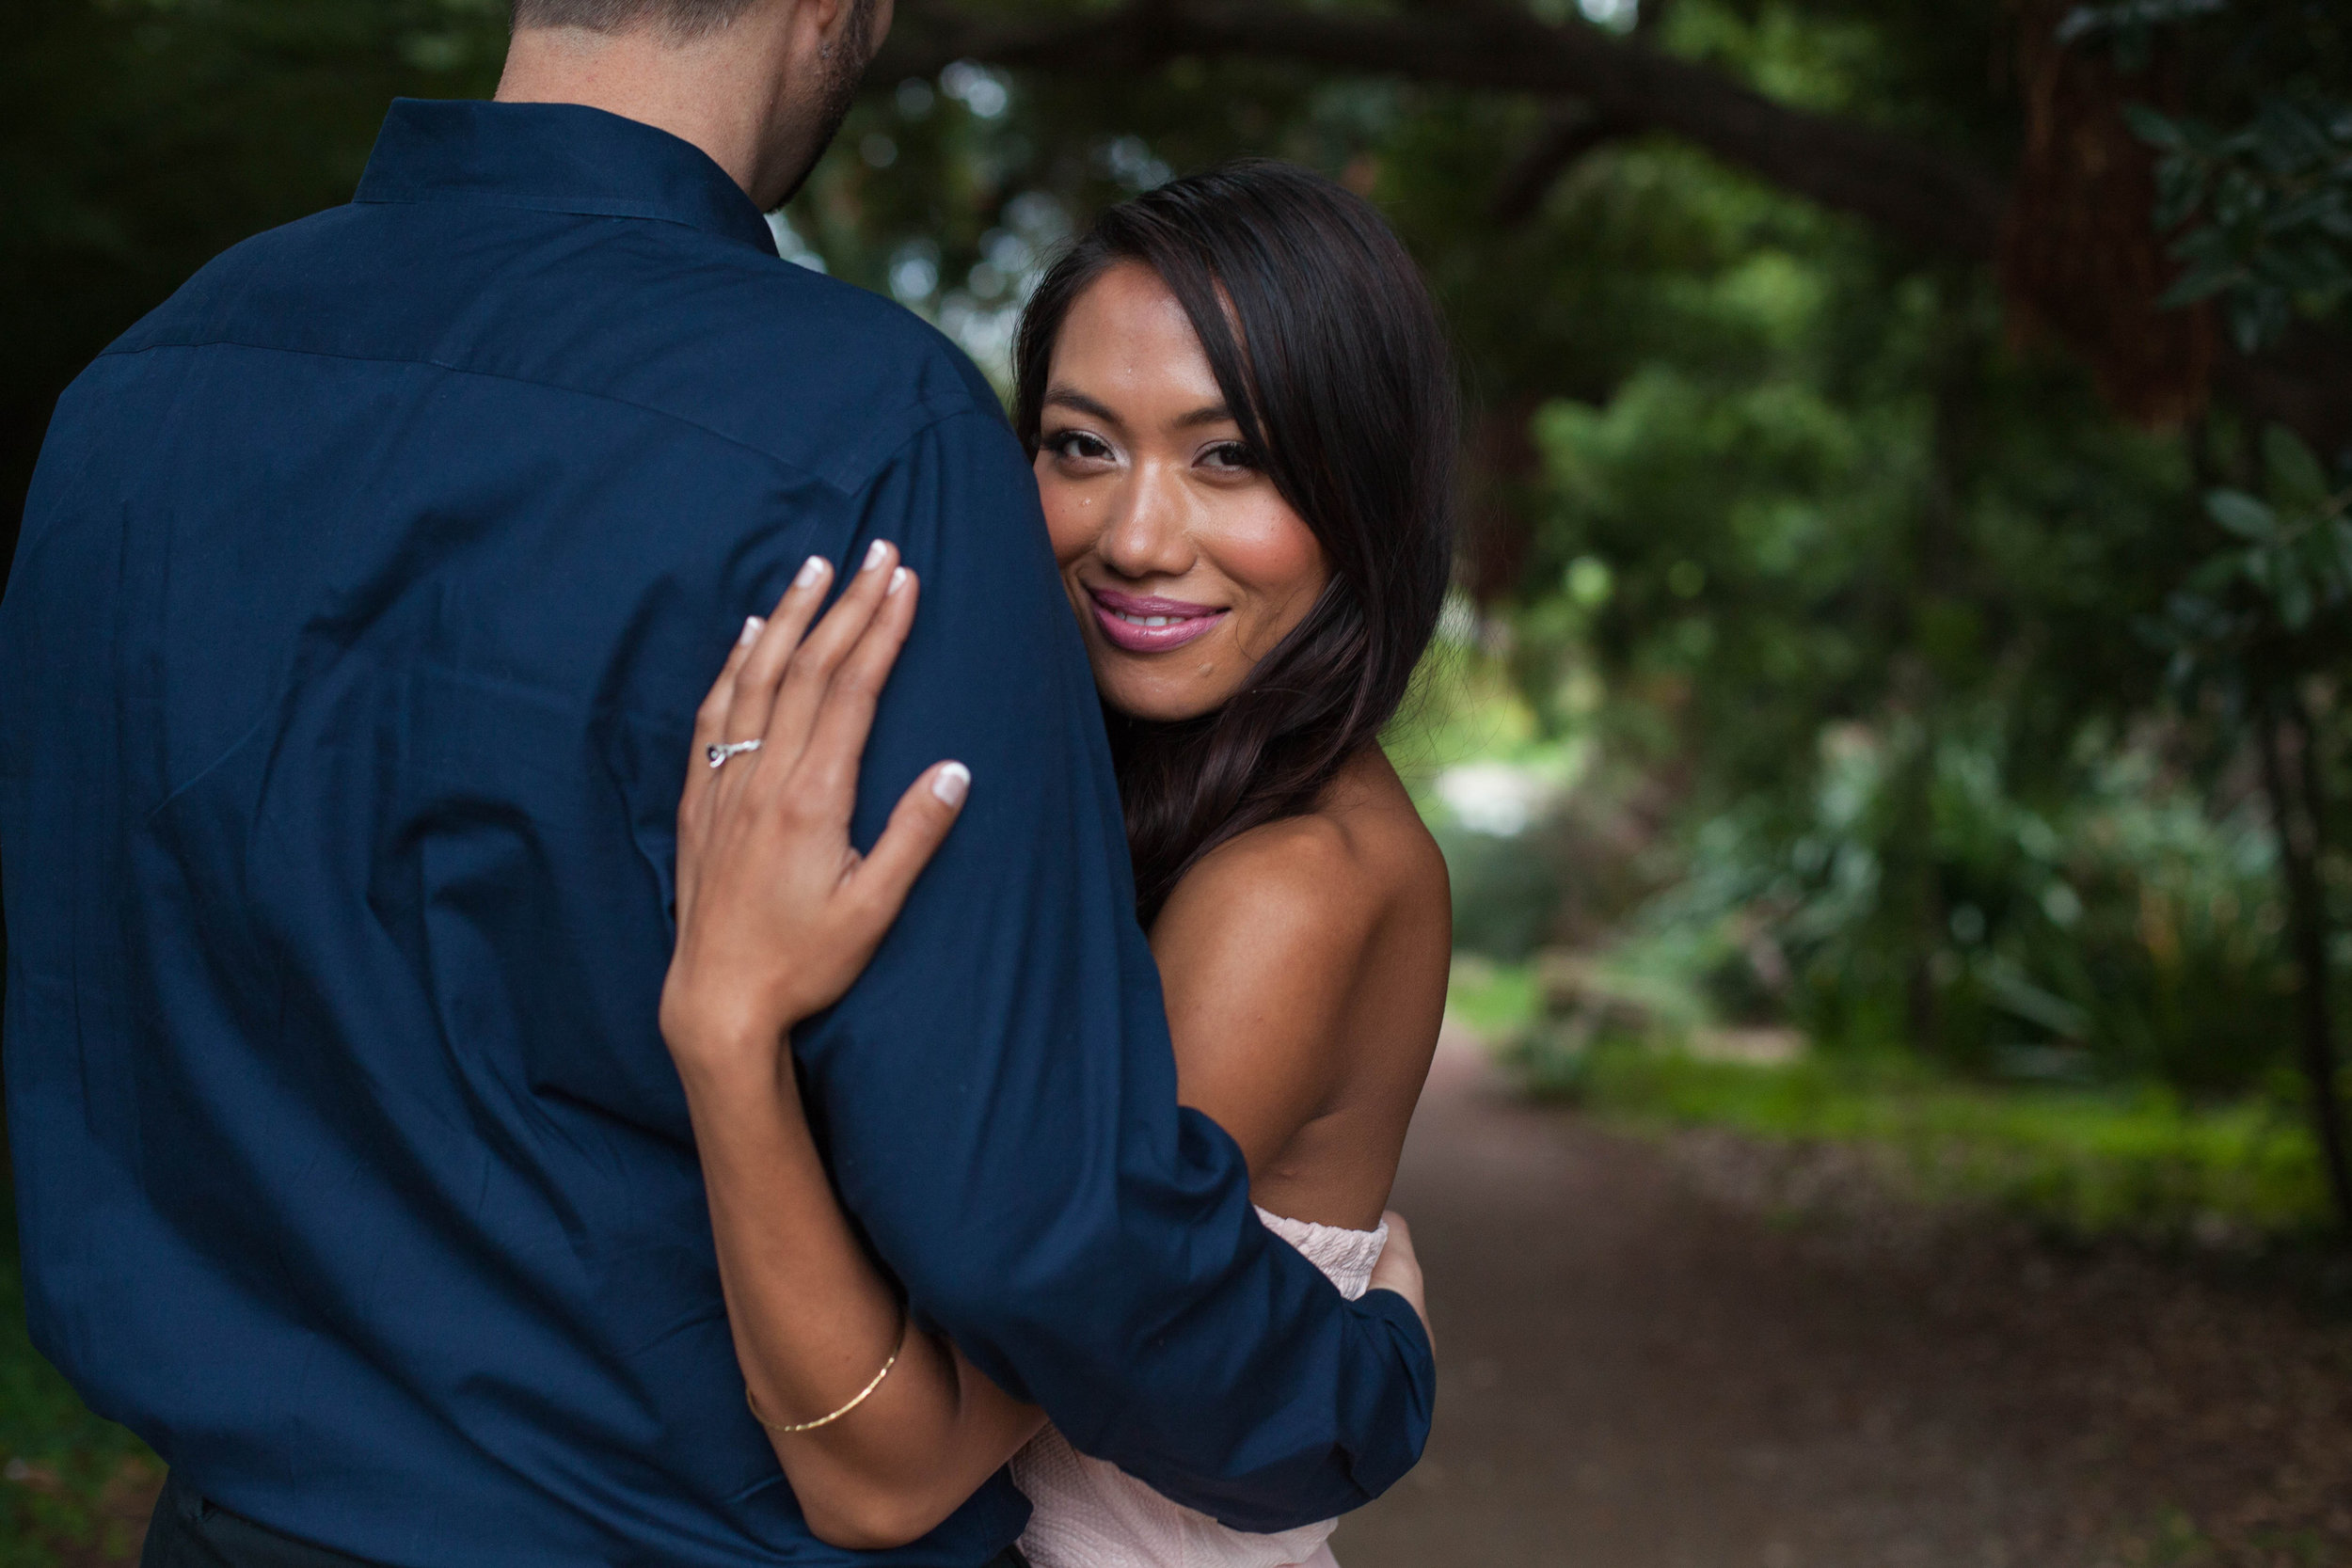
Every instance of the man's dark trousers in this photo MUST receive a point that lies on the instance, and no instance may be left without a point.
(189, 1532)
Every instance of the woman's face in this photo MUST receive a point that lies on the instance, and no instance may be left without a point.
(1184, 565)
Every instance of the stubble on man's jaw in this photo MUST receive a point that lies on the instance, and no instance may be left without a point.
(845, 67)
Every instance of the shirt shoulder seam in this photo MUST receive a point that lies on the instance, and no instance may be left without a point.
(617, 210)
(930, 412)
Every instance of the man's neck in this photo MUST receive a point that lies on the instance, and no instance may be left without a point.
(721, 94)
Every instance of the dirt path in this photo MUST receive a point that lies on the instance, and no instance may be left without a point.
(1641, 1368)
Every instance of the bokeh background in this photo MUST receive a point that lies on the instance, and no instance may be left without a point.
(1890, 738)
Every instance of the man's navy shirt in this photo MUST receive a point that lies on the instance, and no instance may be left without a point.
(365, 596)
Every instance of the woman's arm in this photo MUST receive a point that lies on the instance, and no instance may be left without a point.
(777, 914)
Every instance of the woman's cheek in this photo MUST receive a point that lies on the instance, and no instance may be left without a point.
(1071, 518)
(1269, 551)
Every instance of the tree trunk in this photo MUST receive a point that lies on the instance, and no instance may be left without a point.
(2296, 817)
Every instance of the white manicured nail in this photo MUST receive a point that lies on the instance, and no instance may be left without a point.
(952, 784)
(813, 571)
(876, 554)
(898, 580)
(751, 631)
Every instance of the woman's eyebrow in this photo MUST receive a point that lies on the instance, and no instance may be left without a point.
(1215, 413)
(1070, 397)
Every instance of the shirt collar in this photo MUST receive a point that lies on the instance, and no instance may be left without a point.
(555, 158)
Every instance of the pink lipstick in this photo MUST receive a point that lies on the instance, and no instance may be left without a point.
(1144, 624)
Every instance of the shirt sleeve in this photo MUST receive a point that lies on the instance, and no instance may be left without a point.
(997, 1095)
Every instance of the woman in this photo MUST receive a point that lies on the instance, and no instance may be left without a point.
(1240, 408)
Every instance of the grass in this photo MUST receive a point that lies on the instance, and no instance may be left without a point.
(70, 1482)
(2088, 1163)
(2131, 1161)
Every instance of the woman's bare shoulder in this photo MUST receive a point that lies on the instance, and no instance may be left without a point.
(1343, 868)
(1305, 965)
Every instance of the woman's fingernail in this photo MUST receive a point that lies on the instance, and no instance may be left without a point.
(813, 571)
(876, 554)
(898, 579)
(751, 631)
(953, 783)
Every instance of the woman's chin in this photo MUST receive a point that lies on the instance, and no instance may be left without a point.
(1139, 701)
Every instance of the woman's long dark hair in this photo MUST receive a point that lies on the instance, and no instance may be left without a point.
(1327, 347)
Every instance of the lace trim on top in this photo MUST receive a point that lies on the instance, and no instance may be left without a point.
(1345, 1256)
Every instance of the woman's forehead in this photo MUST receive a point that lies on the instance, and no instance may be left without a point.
(1128, 341)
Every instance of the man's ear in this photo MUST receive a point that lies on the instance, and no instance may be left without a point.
(824, 17)
(833, 19)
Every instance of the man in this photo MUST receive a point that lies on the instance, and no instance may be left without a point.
(365, 595)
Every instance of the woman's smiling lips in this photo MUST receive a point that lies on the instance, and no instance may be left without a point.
(1149, 625)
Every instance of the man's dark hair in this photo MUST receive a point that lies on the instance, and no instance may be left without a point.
(1324, 340)
(680, 19)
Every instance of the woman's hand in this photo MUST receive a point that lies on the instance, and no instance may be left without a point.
(777, 912)
(1399, 1267)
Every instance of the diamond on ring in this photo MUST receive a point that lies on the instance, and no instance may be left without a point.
(718, 754)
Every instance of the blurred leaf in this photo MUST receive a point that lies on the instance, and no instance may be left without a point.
(2158, 130)
(2207, 580)
(2295, 597)
(2241, 514)
(2296, 479)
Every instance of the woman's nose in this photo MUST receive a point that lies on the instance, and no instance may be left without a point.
(1150, 536)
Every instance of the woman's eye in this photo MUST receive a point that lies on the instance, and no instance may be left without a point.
(1229, 456)
(1078, 444)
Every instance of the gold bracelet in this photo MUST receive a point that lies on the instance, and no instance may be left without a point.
(862, 1395)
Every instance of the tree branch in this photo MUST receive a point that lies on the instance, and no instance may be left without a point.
(1927, 198)
(1570, 130)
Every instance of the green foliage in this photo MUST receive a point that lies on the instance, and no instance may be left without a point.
(2119, 932)
(1886, 610)
(67, 1473)
(1505, 898)
(1495, 1001)
(2139, 1163)
(2264, 210)
(2267, 605)
(1875, 607)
